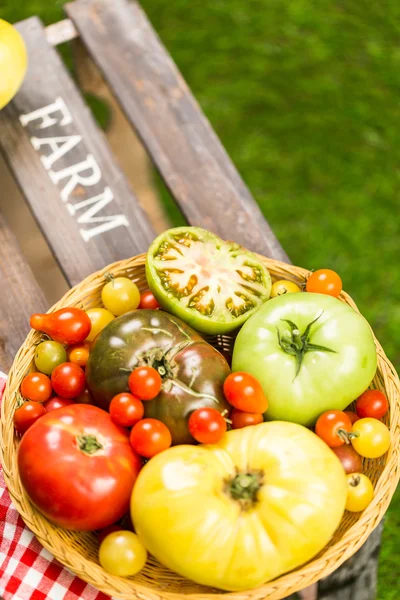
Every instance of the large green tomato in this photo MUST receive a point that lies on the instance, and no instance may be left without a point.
(212, 285)
(234, 515)
(310, 352)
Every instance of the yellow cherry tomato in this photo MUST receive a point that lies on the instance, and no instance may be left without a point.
(100, 317)
(79, 353)
(120, 295)
(284, 287)
(13, 62)
(373, 438)
(261, 502)
(122, 553)
(360, 492)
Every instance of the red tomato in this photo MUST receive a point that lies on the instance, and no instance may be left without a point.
(351, 461)
(145, 383)
(79, 354)
(126, 410)
(324, 281)
(245, 393)
(104, 532)
(352, 416)
(147, 300)
(78, 467)
(332, 427)
(67, 325)
(37, 387)
(57, 402)
(68, 380)
(207, 425)
(149, 437)
(27, 414)
(372, 403)
(244, 419)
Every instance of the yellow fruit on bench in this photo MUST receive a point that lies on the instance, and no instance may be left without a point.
(233, 515)
(13, 62)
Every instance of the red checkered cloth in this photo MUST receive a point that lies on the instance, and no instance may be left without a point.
(27, 570)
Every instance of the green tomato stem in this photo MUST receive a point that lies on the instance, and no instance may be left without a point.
(88, 444)
(244, 487)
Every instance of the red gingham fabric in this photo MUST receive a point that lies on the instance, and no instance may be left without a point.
(27, 570)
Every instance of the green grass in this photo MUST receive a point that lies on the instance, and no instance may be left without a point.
(305, 98)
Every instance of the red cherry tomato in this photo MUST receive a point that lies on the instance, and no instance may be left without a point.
(351, 461)
(104, 532)
(372, 403)
(244, 419)
(324, 281)
(67, 325)
(79, 354)
(245, 393)
(149, 437)
(57, 402)
(145, 383)
(68, 380)
(27, 414)
(147, 300)
(207, 425)
(352, 416)
(126, 410)
(37, 387)
(332, 427)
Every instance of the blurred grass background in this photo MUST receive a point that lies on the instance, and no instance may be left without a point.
(306, 100)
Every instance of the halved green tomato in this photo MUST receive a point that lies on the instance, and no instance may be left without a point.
(212, 285)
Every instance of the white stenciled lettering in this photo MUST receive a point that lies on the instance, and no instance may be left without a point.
(76, 175)
(45, 112)
(59, 147)
(96, 204)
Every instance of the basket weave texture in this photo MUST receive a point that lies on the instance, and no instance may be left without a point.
(78, 551)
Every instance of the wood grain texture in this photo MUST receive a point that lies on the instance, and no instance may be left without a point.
(160, 106)
(47, 80)
(20, 296)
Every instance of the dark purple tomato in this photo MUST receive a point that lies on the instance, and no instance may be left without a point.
(192, 371)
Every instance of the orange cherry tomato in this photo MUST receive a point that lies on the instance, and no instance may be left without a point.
(324, 281)
(207, 425)
(79, 354)
(332, 427)
(245, 393)
(27, 414)
(149, 437)
(145, 383)
(37, 387)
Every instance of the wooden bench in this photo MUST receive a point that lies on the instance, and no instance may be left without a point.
(82, 200)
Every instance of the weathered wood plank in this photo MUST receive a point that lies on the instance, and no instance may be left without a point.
(64, 166)
(159, 104)
(20, 296)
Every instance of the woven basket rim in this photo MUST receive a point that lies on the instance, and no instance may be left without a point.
(321, 566)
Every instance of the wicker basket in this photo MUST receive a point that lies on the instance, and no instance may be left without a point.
(78, 551)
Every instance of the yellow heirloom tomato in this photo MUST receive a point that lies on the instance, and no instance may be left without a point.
(13, 62)
(234, 515)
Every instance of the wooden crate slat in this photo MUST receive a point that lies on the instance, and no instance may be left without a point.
(20, 296)
(159, 104)
(63, 164)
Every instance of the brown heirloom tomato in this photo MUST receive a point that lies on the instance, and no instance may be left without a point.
(192, 371)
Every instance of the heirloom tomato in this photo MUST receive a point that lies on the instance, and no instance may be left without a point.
(49, 355)
(67, 325)
(233, 515)
(310, 353)
(212, 285)
(191, 370)
(78, 467)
